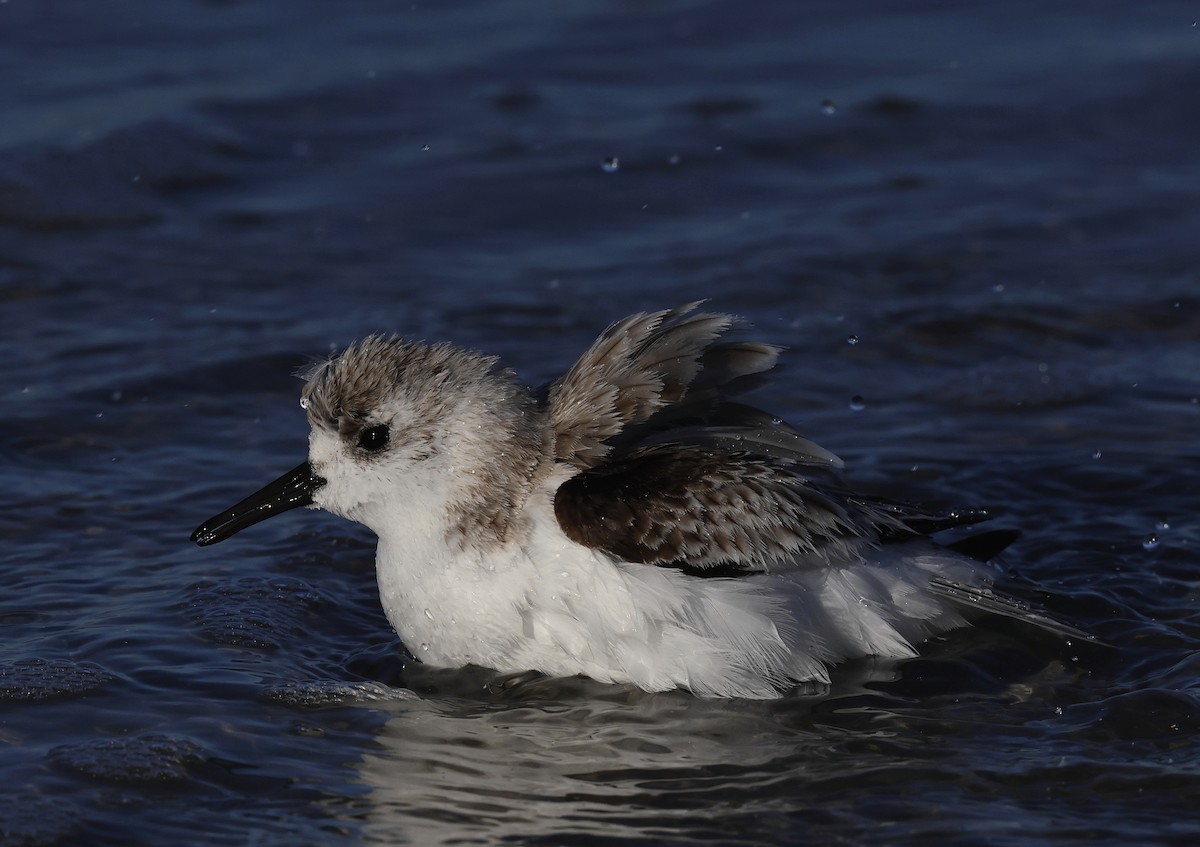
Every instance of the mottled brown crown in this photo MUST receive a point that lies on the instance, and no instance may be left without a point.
(359, 383)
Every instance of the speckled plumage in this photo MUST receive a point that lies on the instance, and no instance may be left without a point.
(636, 525)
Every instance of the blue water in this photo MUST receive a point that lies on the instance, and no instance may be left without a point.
(996, 202)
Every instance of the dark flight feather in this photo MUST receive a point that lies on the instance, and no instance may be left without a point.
(685, 506)
(640, 366)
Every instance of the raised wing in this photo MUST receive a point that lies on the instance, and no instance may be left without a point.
(641, 366)
(673, 473)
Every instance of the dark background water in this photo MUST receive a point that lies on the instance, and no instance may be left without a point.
(998, 202)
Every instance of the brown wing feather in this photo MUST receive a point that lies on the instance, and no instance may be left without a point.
(639, 366)
(672, 473)
(688, 507)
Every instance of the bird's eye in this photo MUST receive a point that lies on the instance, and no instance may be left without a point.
(374, 438)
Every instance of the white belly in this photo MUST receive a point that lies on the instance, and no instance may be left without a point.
(550, 605)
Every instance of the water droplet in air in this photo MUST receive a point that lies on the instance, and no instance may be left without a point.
(1150, 542)
(1096, 454)
(424, 148)
(857, 403)
(674, 159)
(1162, 526)
(828, 107)
(429, 614)
(852, 339)
(610, 165)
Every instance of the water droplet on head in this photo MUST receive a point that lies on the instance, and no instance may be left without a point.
(304, 403)
(853, 339)
(1096, 454)
(1150, 542)
(857, 403)
(1162, 526)
(674, 159)
(429, 614)
(610, 165)
(828, 107)
(424, 647)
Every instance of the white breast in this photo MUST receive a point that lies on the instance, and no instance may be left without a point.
(542, 602)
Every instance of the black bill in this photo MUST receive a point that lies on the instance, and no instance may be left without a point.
(292, 490)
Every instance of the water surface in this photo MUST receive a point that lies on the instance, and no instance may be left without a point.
(978, 219)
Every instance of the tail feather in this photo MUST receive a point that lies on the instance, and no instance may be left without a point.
(985, 546)
(987, 601)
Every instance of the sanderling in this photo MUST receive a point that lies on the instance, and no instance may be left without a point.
(630, 522)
